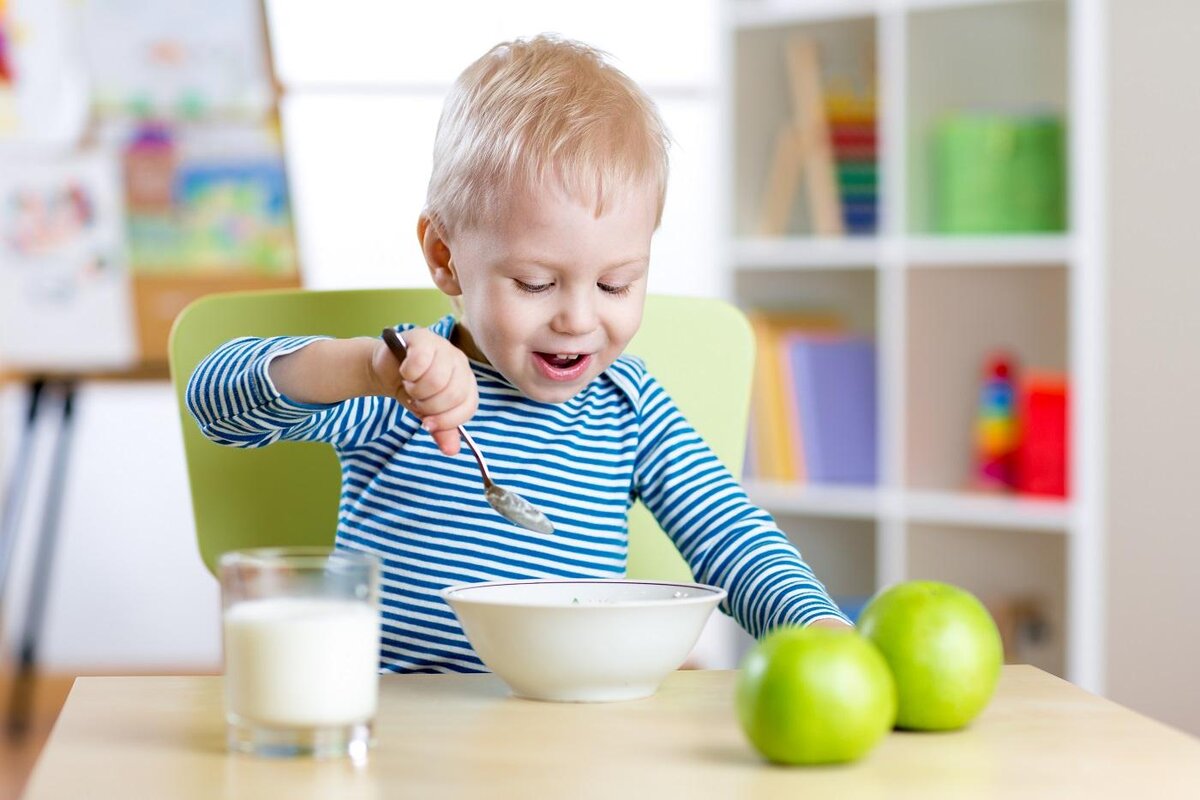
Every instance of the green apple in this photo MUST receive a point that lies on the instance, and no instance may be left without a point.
(943, 649)
(815, 696)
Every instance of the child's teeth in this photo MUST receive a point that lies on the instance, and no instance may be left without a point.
(563, 356)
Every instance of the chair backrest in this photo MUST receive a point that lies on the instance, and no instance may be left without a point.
(287, 494)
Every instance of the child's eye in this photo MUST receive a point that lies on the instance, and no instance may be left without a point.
(617, 290)
(532, 288)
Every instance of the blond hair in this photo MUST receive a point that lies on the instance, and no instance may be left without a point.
(537, 110)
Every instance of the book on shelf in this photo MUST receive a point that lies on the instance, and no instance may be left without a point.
(834, 390)
(774, 454)
(814, 401)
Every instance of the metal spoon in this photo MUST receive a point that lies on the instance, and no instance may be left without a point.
(508, 504)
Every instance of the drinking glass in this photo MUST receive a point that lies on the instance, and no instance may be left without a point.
(301, 634)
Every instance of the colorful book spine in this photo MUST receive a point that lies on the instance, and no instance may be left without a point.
(772, 459)
(775, 427)
(835, 393)
(793, 429)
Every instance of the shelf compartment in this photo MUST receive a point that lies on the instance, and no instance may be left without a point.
(848, 293)
(763, 103)
(1007, 570)
(1021, 311)
(841, 551)
(1008, 57)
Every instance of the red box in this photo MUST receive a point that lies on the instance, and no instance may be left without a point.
(1044, 452)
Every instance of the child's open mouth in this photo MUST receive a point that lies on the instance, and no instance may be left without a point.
(562, 366)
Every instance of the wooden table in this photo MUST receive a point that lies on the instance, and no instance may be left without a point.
(464, 736)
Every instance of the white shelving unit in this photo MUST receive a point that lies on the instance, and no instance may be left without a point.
(937, 304)
(941, 507)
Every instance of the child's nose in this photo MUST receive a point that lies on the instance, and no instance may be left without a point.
(576, 315)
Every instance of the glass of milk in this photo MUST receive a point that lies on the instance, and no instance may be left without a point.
(301, 631)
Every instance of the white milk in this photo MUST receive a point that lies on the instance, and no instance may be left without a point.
(302, 661)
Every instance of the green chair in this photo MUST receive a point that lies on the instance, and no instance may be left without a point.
(287, 494)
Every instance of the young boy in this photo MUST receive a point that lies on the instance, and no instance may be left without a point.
(549, 178)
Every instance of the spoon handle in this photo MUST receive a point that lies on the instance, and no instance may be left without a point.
(487, 476)
(395, 342)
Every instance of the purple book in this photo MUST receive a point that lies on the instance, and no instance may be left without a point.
(835, 390)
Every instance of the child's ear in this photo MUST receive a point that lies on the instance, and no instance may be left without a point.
(437, 256)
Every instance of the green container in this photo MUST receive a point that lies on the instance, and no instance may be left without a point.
(999, 174)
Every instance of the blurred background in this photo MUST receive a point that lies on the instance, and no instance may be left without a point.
(962, 230)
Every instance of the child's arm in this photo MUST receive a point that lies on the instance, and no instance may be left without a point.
(326, 371)
(727, 540)
(435, 381)
(251, 392)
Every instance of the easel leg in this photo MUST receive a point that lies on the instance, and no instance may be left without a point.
(20, 701)
(18, 483)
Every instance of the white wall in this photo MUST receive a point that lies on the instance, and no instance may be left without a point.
(127, 589)
(1154, 373)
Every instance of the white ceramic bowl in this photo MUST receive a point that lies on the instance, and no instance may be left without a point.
(583, 640)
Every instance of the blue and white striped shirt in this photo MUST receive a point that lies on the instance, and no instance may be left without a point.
(582, 462)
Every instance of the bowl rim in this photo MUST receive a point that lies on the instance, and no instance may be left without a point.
(459, 592)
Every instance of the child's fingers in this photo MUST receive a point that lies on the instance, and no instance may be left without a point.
(434, 381)
(457, 393)
(438, 386)
(452, 416)
(448, 420)
(420, 356)
(448, 441)
(386, 372)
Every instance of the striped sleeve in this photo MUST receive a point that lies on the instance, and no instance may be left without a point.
(726, 539)
(231, 396)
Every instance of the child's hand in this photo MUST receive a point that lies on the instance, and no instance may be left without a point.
(830, 622)
(435, 382)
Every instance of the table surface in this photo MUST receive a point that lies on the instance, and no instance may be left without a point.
(465, 736)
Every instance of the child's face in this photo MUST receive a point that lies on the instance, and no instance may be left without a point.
(551, 279)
